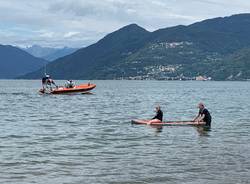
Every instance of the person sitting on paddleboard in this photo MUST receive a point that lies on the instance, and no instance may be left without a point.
(203, 115)
(158, 117)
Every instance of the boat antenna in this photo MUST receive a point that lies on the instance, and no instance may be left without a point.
(45, 72)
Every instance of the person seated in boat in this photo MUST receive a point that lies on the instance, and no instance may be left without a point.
(203, 115)
(158, 117)
(70, 84)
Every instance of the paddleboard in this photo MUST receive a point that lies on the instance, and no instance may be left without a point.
(168, 123)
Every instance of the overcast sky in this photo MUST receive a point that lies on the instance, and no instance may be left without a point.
(77, 23)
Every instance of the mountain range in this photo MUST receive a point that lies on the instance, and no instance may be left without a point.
(217, 48)
(15, 62)
(49, 53)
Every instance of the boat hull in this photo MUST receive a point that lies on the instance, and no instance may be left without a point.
(169, 123)
(76, 89)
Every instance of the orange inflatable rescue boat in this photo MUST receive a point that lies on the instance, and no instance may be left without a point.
(65, 90)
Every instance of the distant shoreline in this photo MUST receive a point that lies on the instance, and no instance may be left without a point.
(244, 80)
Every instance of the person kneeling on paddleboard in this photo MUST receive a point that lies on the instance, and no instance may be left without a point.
(158, 117)
(203, 115)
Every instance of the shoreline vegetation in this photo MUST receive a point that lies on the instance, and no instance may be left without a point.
(144, 79)
(177, 78)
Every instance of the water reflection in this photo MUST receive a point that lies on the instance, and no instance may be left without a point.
(158, 128)
(87, 138)
(87, 93)
(203, 130)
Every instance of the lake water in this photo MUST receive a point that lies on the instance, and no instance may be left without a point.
(75, 139)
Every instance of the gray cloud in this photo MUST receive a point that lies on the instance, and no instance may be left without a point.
(78, 23)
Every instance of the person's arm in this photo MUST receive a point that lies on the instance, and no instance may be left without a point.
(155, 117)
(54, 83)
(202, 117)
(197, 117)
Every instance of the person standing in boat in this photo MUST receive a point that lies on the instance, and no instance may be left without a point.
(203, 115)
(47, 82)
(44, 81)
(158, 117)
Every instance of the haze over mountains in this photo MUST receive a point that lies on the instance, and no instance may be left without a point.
(218, 48)
(49, 53)
(16, 61)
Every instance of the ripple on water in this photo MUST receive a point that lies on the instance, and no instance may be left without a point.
(89, 138)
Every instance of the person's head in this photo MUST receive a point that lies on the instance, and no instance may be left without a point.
(48, 76)
(201, 105)
(157, 108)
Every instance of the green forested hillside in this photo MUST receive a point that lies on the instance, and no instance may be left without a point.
(217, 48)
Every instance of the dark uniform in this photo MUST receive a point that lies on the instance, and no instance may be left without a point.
(159, 115)
(207, 117)
(44, 80)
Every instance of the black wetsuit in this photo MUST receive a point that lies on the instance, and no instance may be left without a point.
(159, 115)
(207, 117)
(44, 80)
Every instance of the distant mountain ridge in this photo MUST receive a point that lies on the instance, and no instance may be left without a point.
(218, 48)
(15, 62)
(58, 53)
(49, 53)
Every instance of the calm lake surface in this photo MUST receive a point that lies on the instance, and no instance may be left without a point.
(75, 139)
